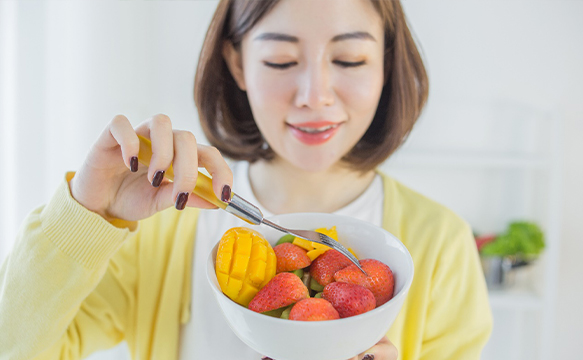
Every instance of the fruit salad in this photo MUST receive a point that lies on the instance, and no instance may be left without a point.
(298, 279)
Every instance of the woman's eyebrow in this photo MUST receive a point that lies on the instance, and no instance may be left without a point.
(360, 35)
(277, 37)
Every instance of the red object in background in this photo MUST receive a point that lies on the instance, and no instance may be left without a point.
(484, 239)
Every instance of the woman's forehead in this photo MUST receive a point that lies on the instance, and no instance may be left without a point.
(295, 21)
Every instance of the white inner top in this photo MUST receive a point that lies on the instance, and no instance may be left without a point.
(207, 335)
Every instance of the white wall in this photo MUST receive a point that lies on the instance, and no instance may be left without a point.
(74, 65)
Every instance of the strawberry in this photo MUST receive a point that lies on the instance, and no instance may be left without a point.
(349, 299)
(325, 265)
(313, 309)
(283, 290)
(380, 278)
(290, 257)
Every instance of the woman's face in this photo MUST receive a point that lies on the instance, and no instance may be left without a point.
(313, 72)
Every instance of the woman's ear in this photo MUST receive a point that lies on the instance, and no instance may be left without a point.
(234, 63)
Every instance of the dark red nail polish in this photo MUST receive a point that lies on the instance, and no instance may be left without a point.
(134, 163)
(181, 200)
(368, 357)
(158, 176)
(266, 358)
(226, 194)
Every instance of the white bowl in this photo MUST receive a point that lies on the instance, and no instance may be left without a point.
(322, 340)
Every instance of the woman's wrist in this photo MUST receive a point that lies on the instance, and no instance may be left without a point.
(75, 195)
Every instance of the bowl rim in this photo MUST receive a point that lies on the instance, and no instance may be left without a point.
(404, 291)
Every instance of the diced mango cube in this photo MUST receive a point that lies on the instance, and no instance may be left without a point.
(304, 244)
(243, 245)
(227, 243)
(256, 273)
(223, 279)
(313, 254)
(246, 294)
(271, 266)
(233, 288)
(224, 262)
(318, 246)
(239, 267)
(259, 252)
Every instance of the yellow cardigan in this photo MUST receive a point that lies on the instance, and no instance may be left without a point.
(75, 283)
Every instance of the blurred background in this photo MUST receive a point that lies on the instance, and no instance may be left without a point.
(499, 140)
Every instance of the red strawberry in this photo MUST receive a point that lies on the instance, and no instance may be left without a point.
(380, 278)
(313, 309)
(283, 290)
(325, 265)
(349, 299)
(290, 257)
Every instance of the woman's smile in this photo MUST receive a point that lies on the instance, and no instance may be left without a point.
(314, 132)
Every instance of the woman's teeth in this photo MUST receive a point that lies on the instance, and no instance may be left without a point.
(312, 130)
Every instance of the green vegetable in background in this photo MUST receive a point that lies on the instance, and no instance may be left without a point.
(522, 239)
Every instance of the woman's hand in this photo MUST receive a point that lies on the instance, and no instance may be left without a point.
(383, 350)
(111, 183)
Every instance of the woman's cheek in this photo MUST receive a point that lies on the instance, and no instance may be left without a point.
(362, 93)
(270, 95)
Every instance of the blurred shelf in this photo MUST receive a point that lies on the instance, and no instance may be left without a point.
(466, 160)
(514, 300)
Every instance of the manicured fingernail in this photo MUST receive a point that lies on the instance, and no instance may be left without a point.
(368, 357)
(181, 200)
(226, 194)
(158, 176)
(266, 358)
(134, 163)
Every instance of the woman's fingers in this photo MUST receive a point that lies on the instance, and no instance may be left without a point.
(383, 350)
(159, 130)
(120, 132)
(222, 177)
(211, 159)
(180, 149)
(185, 165)
(188, 157)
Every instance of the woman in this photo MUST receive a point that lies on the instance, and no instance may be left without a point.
(310, 96)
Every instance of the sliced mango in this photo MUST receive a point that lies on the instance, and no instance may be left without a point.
(313, 254)
(245, 263)
(304, 244)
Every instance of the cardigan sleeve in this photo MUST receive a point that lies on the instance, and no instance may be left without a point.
(459, 319)
(67, 287)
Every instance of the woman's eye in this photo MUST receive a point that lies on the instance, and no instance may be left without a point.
(283, 66)
(348, 63)
(279, 66)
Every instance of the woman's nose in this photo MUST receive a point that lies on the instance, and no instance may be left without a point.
(314, 88)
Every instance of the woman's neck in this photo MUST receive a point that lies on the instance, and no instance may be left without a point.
(282, 188)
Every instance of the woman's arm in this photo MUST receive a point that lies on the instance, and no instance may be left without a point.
(63, 292)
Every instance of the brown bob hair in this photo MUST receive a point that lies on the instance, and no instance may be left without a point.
(224, 109)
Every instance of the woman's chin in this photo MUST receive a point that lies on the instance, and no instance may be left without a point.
(313, 164)
(312, 159)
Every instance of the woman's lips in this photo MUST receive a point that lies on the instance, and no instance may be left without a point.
(314, 132)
